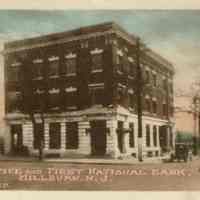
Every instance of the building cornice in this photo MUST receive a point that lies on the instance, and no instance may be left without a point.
(112, 30)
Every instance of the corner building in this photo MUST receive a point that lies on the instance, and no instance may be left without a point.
(86, 81)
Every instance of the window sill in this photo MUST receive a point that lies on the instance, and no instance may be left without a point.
(130, 77)
(71, 74)
(38, 78)
(53, 76)
(71, 107)
(97, 71)
(119, 72)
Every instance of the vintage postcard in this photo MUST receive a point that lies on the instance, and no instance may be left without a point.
(100, 100)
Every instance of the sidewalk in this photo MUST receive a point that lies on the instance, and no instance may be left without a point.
(98, 161)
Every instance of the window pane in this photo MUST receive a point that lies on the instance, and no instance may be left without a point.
(131, 135)
(53, 68)
(54, 136)
(14, 101)
(97, 61)
(154, 136)
(97, 96)
(54, 100)
(70, 66)
(38, 135)
(147, 135)
(71, 135)
(14, 73)
(37, 70)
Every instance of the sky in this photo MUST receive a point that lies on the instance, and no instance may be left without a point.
(174, 34)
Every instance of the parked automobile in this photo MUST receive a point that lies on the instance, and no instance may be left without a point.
(182, 151)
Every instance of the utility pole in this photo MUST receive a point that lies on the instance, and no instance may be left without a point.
(139, 88)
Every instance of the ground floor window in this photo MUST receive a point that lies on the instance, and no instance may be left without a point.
(148, 135)
(154, 136)
(131, 135)
(120, 136)
(38, 135)
(54, 136)
(71, 135)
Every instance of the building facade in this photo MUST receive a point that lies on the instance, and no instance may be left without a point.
(80, 88)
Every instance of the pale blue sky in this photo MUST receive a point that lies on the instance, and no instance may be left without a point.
(173, 34)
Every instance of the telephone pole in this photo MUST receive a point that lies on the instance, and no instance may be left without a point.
(139, 88)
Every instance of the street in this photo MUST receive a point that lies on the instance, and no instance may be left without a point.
(18, 175)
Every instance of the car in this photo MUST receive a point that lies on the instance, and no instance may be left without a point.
(182, 151)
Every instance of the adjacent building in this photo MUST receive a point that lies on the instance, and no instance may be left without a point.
(83, 83)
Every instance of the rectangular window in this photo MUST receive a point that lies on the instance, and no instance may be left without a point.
(70, 66)
(154, 80)
(97, 62)
(120, 140)
(71, 99)
(131, 135)
(147, 76)
(71, 135)
(119, 62)
(14, 73)
(155, 136)
(37, 70)
(154, 107)
(54, 136)
(148, 135)
(38, 135)
(54, 99)
(148, 105)
(131, 100)
(165, 84)
(164, 109)
(97, 95)
(53, 68)
(39, 99)
(14, 101)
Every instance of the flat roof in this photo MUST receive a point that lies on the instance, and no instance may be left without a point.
(53, 38)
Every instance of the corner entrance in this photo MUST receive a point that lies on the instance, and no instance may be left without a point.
(98, 137)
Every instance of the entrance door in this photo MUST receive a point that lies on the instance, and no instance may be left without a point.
(16, 138)
(163, 138)
(98, 137)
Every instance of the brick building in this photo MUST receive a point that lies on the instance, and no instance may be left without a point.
(85, 80)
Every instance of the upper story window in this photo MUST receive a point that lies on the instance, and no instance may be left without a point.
(53, 66)
(37, 69)
(14, 101)
(131, 66)
(164, 84)
(14, 72)
(154, 77)
(164, 109)
(39, 99)
(97, 60)
(154, 106)
(119, 60)
(84, 44)
(70, 64)
(97, 93)
(147, 76)
(71, 97)
(148, 104)
(54, 100)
